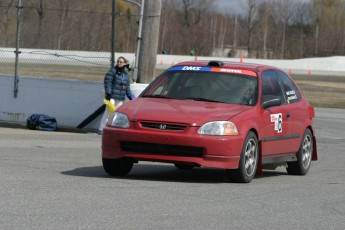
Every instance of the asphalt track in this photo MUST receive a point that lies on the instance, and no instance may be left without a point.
(54, 180)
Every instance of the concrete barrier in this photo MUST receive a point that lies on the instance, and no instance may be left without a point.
(69, 101)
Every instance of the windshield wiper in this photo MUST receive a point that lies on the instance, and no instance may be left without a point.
(201, 99)
(158, 96)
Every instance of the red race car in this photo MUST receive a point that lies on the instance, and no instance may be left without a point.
(234, 116)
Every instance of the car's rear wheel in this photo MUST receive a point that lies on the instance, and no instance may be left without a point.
(248, 161)
(304, 155)
(118, 167)
(184, 166)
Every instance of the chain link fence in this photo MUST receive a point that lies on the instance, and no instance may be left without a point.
(61, 39)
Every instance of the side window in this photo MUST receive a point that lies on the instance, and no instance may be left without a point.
(291, 91)
(157, 87)
(270, 86)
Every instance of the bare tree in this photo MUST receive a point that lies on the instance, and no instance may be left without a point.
(193, 14)
(330, 19)
(250, 8)
(280, 28)
(40, 13)
(220, 33)
(284, 13)
(64, 6)
(265, 24)
(6, 15)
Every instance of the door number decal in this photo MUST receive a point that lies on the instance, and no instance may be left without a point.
(278, 122)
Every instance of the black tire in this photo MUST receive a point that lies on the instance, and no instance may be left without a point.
(118, 167)
(184, 166)
(248, 161)
(304, 156)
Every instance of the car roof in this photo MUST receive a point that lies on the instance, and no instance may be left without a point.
(227, 64)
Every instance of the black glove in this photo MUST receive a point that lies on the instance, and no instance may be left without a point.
(128, 68)
(132, 97)
(107, 96)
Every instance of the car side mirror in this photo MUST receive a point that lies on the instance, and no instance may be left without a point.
(270, 102)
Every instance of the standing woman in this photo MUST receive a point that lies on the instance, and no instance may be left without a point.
(116, 87)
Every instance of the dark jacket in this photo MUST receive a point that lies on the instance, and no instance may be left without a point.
(117, 84)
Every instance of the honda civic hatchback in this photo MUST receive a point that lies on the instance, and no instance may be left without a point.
(233, 116)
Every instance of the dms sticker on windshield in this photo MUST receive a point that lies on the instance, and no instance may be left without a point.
(191, 68)
(278, 122)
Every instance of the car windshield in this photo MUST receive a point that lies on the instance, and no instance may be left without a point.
(219, 87)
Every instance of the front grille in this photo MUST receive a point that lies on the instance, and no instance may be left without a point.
(163, 126)
(161, 149)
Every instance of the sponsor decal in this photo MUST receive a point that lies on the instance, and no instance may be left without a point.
(230, 70)
(278, 122)
(237, 71)
(291, 95)
(195, 68)
(213, 69)
(191, 68)
(292, 92)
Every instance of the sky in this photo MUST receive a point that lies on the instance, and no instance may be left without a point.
(232, 6)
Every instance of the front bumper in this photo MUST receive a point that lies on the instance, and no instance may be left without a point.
(171, 147)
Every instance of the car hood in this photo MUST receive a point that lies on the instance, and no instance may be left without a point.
(195, 113)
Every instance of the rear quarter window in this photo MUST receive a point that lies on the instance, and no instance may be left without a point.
(292, 93)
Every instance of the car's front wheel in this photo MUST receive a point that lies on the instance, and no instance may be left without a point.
(304, 155)
(117, 167)
(248, 161)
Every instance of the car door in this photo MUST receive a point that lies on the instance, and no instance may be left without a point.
(298, 112)
(276, 126)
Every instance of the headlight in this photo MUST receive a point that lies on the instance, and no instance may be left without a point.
(118, 120)
(218, 128)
